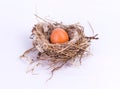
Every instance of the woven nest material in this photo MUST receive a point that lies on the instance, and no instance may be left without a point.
(57, 55)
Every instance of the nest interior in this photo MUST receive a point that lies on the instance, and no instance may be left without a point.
(58, 55)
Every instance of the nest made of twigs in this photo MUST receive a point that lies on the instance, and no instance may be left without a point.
(57, 55)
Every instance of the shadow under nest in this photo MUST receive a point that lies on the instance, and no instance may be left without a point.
(57, 55)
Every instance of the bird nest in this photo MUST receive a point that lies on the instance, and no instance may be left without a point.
(57, 55)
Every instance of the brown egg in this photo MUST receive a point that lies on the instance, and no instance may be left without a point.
(59, 35)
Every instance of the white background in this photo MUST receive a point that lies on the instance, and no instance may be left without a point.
(99, 71)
